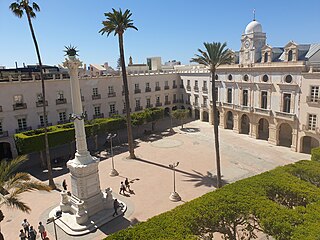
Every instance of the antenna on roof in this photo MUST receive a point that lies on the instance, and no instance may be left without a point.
(254, 14)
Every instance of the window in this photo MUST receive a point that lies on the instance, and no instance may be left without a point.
(265, 78)
(181, 83)
(174, 83)
(230, 77)
(288, 79)
(182, 97)
(174, 97)
(266, 57)
(157, 84)
(136, 86)
(205, 84)
(62, 116)
(290, 58)
(286, 102)
(229, 95)
(22, 124)
(97, 110)
(205, 100)
(148, 102)
(18, 99)
(196, 100)
(1, 129)
(166, 98)
(264, 99)
(112, 108)
(41, 118)
(147, 85)
(166, 83)
(196, 83)
(158, 100)
(245, 78)
(110, 89)
(245, 97)
(312, 122)
(95, 91)
(60, 95)
(314, 94)
(39, 97)
(188, 83)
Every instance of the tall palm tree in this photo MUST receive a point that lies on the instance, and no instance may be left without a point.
(13, 184)
(214, 55)
(18, 8)
(118, 22)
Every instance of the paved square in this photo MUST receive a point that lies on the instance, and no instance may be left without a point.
(152, 179)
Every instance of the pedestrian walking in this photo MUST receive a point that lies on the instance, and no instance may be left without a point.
(42, 230)
(127, 184)
(26, 226)
(64, 185)
(22, 235)
(32, 233)
(122, 188)
(115, 207)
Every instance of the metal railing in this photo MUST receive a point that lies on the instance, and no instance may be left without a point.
(39, 103)
(18, 106)
(96, 96)
(61, 101)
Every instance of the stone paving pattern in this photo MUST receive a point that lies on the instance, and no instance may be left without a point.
(152, 180)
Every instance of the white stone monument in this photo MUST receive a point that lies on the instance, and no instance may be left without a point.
(87, 207)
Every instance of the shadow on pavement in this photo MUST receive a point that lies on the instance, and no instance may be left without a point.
(156, 136)
(117, 224)
(190, 130)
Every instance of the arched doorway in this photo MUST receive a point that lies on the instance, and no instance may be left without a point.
(285, 135)
(308, 143)
(205, 116)
(167, 111)
(190, 111)
(196, 114)
(263, 129)
(5, 150)
(174, 108)
(245, 124)
(229, 120)
(182, 107)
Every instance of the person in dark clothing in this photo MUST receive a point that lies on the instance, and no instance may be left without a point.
(122, 188)
(115, 207)
(127, 184)
(64, 185)
(32, 233)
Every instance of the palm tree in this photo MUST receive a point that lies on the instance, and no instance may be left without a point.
(13, 184)
(29, 8)
(118, 22)
(214, 55)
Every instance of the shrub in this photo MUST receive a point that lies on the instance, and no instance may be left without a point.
(315, 154)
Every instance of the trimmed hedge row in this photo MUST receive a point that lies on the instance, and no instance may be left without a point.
(315, 154)
(283, 203)
(33, 141)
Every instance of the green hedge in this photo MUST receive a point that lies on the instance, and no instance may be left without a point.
(315, 154)
(284, 203)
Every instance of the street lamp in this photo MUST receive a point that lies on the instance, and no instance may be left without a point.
(113, 172)
(53, 219)
(174, 196)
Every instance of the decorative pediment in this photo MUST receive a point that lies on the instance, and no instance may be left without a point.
(266, 47)
(290, 45)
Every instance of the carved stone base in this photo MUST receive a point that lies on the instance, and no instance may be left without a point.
(174, 197)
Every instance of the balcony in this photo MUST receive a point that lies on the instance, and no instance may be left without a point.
(158, 104)
(174, 86)
(188, 88)
(19, 130)
(196, 104)
(205, 90)
(263, 111)
(99, 115)
(167, 102)
(4, 134)
(285, 115)
(111, 94)
(96, 96)
(228, 105)
(136, 91)
(138, 108)
(314, 101)
(157, 88)
(39, 103)
(188, 102)
(307, 128)
(244, 108)
(18, 106)
(63, 121)
(196, 89)
(113, 113)
(148, 89)
(42, 125)
(61, 101)
(149, 106)
(166, 87)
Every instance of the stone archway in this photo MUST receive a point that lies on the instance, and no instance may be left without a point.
(263, 129)
(167, 111)
(205, 116)
(308, 143)
(229, 120)
(174, 108)
(285, 135)
(245, 124)
(5, 150)
(190, 111)
(196, 114)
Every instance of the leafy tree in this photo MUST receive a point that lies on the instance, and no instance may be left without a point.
(214, 55)
(118, 22)
(29, 8)
(153, 115)
(180, 114)
(13, 184)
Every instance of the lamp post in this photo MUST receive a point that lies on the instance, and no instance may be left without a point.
(53, 219)
(113, 172)
(174, 196)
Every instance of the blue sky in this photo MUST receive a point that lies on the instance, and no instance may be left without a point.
(171, 29)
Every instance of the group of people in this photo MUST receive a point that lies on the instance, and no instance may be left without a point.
(125, 187)
(28, 232)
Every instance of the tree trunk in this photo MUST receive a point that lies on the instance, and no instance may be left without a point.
(126, 97)
(50, 177)
(215, 128)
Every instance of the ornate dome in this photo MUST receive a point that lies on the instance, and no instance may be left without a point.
(253, 27)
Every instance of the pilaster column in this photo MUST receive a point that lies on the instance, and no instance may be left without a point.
(201, 114)
(236, 123)
(222, 120)
(273, 135)
(254, 130)
(294, 140)
(293, 102)
(211, 115)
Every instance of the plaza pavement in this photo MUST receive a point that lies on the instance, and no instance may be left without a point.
(152, 180)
